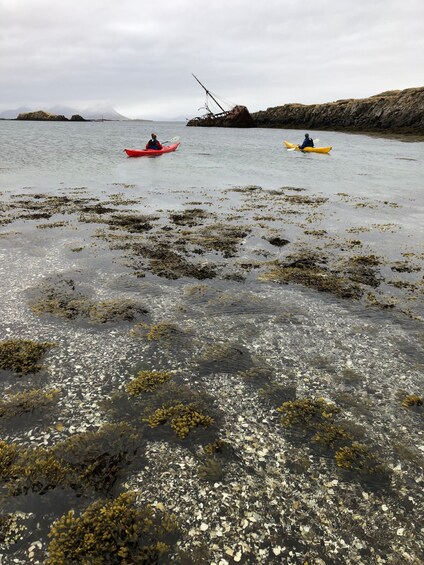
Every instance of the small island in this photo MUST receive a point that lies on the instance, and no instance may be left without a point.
(42, 116)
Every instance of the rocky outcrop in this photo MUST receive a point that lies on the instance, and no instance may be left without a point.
(40, 115)
(238, 117)
(77, 118)
(394, 111)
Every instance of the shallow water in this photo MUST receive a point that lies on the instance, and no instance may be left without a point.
(45, 155)
(244, 343)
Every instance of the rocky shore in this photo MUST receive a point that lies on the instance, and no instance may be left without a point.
(394, 111)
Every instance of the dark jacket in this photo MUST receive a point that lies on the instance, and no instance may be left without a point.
(307, 142)
(154, 144)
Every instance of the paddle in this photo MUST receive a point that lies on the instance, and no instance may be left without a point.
(294, 148)
(173, 140)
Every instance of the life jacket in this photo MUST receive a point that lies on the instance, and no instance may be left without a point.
(154, 144)
(307, 142)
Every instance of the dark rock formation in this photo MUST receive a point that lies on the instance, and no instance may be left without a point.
(40, 115)
(394, 111)
(238, 117)
(77, 118)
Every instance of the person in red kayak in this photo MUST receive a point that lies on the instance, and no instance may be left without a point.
(154, 142)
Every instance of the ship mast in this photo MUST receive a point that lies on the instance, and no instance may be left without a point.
(209, 94)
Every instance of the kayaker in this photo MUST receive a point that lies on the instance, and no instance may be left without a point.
(307, 142)
(154, 142)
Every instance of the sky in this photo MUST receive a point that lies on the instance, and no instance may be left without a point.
(138, 56)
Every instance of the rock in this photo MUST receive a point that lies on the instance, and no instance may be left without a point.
(77, 118)
(394, 111)
(40, 115)
(238, 117)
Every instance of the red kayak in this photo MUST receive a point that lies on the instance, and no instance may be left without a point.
(151, 152)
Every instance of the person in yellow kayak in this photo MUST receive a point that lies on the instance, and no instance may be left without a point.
(307, 142)
(154, 142)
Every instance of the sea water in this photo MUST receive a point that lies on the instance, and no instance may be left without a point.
(45, 154)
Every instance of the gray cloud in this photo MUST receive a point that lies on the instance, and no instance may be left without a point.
(138, 56)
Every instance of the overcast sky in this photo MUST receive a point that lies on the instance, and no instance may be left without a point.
(137, 56)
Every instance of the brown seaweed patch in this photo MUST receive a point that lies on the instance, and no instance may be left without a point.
(225, 358)
(362, 269)
(211, 470)
(368, 260)
(331, 435)
(161, 331)
(86, 460)
(257, 375)
(97, 458)
(64, 301)
(246, 189)
(277, 241)
(27, 401)
(308, 200)
(316, 233)
(412, 401)
(385, 303)
(113, 531)
(182, 418)
(307, 413)
(147, 381)
(359, 458)
(52, 225)
(115, 310)
(405, 267)
(132, 223)
(220, 237)
(22, 355)
(30, 469)
(276, 394)
(142, 409)
(314, 276)
(167, 263)
(189, 217)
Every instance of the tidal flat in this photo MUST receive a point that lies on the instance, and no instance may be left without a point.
(232, 377)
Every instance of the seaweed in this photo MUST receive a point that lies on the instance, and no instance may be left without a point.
(22, 355)
(147, 381)
(26, 401)
(183, 418)
(307, 413)
(112, 531)
(412, 400)
(90, 460)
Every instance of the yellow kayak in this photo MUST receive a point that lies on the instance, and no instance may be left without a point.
(308, 149)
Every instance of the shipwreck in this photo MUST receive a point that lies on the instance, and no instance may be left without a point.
(236, 116)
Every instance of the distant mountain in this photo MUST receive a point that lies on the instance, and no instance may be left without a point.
(12, 114)
(96, 113)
